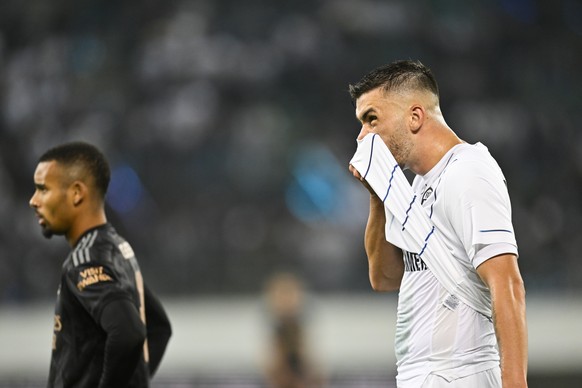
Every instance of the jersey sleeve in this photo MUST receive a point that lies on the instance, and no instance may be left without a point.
(159, 329)
(96, 282)
(479, 209)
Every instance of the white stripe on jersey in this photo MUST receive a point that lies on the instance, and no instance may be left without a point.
(81, 253)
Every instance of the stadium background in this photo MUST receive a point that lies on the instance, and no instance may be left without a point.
(229, 128)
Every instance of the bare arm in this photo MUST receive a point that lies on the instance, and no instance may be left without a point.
(385, 263)
(501, 274)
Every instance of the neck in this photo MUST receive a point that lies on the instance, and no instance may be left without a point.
(83, 225)
(431, 149)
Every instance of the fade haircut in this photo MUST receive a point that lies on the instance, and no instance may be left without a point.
(396, 76)
(85, 156)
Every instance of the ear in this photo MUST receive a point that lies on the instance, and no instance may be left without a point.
(417, 117)
(79, 192)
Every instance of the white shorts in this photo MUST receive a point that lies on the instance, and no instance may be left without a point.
(490, 378)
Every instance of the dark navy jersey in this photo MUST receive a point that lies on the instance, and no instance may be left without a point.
(101, 268)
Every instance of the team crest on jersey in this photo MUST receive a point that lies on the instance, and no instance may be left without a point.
(426, 195)
(126, 250)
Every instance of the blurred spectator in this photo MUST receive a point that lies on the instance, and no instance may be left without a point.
(289, 362)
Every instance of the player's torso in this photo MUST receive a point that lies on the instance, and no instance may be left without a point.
(77, 344)
(95, 272)
(429, 334)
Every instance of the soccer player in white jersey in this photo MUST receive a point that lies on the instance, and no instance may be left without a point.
(463, 190)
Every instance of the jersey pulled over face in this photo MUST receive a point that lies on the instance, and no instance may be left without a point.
(382, 114)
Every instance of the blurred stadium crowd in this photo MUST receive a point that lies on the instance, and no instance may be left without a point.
(229, 128)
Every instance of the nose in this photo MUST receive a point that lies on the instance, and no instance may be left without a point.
(363, 132)
(33, 202)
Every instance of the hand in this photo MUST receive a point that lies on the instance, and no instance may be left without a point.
(359, 177)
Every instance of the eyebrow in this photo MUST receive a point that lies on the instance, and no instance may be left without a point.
(364, 115)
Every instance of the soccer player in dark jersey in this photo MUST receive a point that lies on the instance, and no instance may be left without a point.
(109, 329)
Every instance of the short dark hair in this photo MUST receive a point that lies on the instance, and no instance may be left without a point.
(404, 74)
(85, 155)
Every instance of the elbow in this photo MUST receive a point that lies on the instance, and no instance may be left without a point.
(128, 343)
(516, 287)
(121, 322)
(386, 279)
(135, 337)
(383, 284)
(519, 290)
(131, 335)
(378, 287)
(385, 268)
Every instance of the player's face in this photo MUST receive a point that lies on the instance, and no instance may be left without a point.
(50, 199)
(381, 113)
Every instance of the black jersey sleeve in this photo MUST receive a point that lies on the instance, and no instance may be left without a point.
(102, 278)
(126, 334)
(159, 329)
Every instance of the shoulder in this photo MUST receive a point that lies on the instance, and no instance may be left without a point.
(87, 249)
(473, 180)
(468, 157)
(472, 166)
(97, 246)
(99, 259)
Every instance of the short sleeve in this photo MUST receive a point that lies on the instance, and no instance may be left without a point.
(479, 209)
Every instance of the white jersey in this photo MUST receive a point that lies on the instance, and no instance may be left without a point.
(466, 197)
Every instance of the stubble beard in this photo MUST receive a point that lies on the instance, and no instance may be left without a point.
(400, 148)
(47, 232)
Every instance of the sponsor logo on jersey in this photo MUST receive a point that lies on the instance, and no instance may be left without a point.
(413, 262)
(92, 275)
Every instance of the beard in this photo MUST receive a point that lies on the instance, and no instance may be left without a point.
(400, 147)
(47, 232)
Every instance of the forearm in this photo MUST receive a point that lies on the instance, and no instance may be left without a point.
(502, 277)
(511, 330)
(123, 349)
(384, 259)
